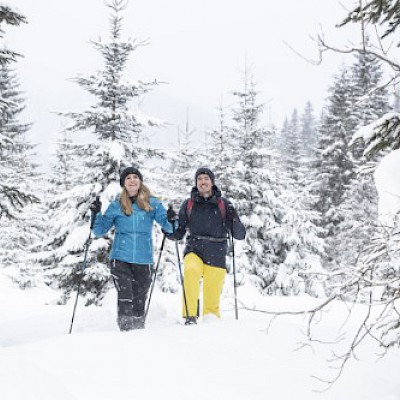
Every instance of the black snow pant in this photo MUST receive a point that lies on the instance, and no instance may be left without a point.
(132, 282)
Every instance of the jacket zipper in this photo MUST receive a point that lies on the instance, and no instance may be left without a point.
(133, 232)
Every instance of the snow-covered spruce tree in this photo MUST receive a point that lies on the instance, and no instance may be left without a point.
(308, 144)
(183, 162)
(292, 146)
(118, 141)
(19, 241)
(370, 102)
(381, 17)
(65, 171)
(277, 247)
(20, 221)
(370, 96)
(308, 132)
(8, 16)
(334, 167)
(222, 158)
(279, 142)
(13, 196)
(378, 265)
(251, 188)
(180, 177)
(301, 269)
(296, 145)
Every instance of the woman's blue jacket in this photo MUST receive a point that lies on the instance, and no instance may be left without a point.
(133, 233)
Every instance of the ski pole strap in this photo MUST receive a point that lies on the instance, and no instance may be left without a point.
(208, 238)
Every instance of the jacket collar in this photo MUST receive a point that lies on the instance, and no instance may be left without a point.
(195, 195)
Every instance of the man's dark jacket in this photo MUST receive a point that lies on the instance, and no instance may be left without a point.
(207, 230)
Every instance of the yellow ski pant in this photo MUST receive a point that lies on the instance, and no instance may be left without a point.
(213, 280)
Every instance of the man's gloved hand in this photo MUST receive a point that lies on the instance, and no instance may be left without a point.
(95, 207)
(171, 214)
(170, 236)
(231, 213)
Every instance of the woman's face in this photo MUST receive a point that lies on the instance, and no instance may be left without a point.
(204, 185)
(132, 184)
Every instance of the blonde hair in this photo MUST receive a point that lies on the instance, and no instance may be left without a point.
(143, 199)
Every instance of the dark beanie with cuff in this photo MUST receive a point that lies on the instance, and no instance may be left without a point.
(126, 172)
(206, 171)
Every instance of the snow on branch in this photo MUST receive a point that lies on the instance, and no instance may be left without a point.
(381, 134)
(13, 200)
(10, 16)
(382, 12)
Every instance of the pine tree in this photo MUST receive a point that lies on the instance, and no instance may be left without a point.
(183, 160)
(370, 102)
(292, 148)
(221, 158)
(12, 195)
(382, 134)
(65, 171)
(9, 16)
(300, 270)
(255, 190)
(118, 141)
(308, 132)
(180, 178)
(20, 224)
(373, 278)
(280, 142)
(334, 166)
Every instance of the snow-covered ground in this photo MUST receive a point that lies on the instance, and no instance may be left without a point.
(231, 359)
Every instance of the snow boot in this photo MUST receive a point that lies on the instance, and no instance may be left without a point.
(138, 323)
(190, 320)
(125, 323)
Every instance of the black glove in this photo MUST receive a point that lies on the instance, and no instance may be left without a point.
(170, 236)
(231, 213)
(171, 214)
(95, 207)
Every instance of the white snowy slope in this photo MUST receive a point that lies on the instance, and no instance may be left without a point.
(225, 359)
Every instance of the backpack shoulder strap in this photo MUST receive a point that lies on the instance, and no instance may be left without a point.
(189, 207)
(222, 208)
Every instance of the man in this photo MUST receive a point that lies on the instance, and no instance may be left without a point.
(208, 218)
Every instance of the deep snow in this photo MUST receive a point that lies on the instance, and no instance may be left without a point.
(228, 359)
(256, 357)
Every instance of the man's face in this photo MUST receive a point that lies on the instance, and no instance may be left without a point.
(204, 185)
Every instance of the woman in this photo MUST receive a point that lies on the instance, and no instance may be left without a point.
(131, 255)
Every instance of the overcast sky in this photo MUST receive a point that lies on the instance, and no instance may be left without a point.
(198, 47)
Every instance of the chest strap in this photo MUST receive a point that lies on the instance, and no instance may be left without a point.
(208, 238)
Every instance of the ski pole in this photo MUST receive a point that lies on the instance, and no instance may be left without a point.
(182, 283)
(179, 265)
(234, 278)
(155, 276)
(80, 278)
(93, 217)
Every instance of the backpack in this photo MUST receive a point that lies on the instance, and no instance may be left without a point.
(221, 206)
